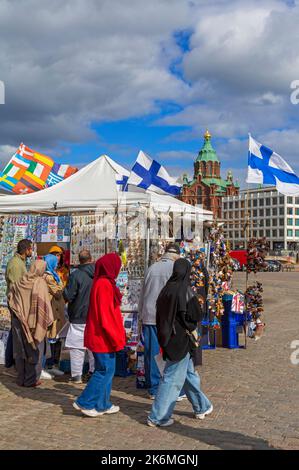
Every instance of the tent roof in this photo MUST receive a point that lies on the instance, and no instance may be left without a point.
(92, 187)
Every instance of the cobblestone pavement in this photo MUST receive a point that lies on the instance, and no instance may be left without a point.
(255, 393)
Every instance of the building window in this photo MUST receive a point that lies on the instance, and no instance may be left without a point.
(230, 205)
(281, 200)
(274, 211)
(290, 200)
(261, 212)
(261, 223)
(275, 201)
(261, 233)
(281, 222)
(281, 233)
(254, 202)
(274, 233)
(297, 233)
(255, 233)
(268, 201)
(268, 233)
(268, 212)
(236, 214)
(290, 211)
(281, 211)
(297, 211)
(225, 205)
(274, 222)
(231, 235)
(254, 213)
(297, 222)
(290, 233)
(297, 200)
(237, 204)
(290, 222)
(237, 235)
(261, 203)
(268, 223)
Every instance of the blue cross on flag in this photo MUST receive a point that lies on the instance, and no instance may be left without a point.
(267, 167)
(149, 174)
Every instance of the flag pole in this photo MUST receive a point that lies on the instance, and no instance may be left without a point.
(246, 245)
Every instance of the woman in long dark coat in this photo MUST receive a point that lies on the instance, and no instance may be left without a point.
(178, 312)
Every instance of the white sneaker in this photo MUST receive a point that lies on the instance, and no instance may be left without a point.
(55, 371)
(163, 425)
(94, 413)
(203, 415)
(182, 397)
(45, 375)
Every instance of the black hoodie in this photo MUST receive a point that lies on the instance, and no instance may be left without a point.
(77, 292)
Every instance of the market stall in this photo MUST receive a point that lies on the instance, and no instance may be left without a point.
(82, 211)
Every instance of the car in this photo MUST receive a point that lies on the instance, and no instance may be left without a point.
(273, 265)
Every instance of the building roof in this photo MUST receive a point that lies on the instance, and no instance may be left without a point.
(207, 153)
(217, 181)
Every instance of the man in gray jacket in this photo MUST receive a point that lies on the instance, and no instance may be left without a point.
(155, 279)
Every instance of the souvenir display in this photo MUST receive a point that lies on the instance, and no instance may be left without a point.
(255, 307)
(86, 234)
(257, 251)
(37, 228)
(221, 275)
(238, 303)
(157, 249)
(5, 318)
(53, 229)
(135, 257)
(140, 372)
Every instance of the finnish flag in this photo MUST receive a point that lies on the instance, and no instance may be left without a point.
(267, 167)
(149, 174)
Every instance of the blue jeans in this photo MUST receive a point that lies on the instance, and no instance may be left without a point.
(96, 394)
(177, 375)
(151, 349)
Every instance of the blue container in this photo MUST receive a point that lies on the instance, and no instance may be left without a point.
(227, 303)
(230, 338)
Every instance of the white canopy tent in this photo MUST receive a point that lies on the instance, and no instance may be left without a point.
(94, 187)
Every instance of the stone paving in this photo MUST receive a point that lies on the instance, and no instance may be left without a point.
(255, 393)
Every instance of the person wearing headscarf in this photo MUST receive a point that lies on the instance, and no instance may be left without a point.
(178, 312)
(29, 301)
(104, 336)
(63, 257)
(55, 288)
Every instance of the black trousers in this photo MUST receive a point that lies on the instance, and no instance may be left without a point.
(28, 361)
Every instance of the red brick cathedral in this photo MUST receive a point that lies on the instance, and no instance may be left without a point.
(207, 187)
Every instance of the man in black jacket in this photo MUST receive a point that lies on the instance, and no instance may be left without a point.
(77, 294)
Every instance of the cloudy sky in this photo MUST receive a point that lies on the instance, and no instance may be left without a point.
(83, 78)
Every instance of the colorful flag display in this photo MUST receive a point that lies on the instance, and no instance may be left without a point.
(30, 171)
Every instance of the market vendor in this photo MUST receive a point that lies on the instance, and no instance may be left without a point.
(62, 268)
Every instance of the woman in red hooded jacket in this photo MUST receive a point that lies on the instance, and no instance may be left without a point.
(104, 336)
